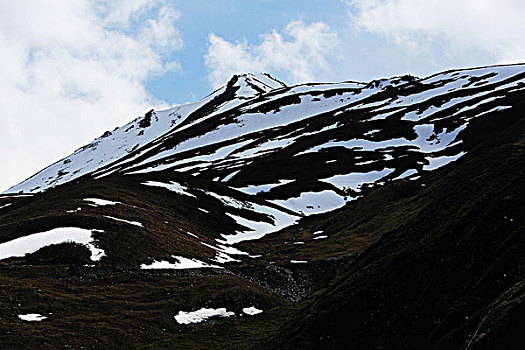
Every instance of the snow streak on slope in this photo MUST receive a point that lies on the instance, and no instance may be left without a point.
(182, 263)
(254, 229)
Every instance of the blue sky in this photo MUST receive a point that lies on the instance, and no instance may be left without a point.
(233, 20)
(366, 55)
(72, 69)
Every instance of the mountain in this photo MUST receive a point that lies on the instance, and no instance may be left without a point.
(353, 215)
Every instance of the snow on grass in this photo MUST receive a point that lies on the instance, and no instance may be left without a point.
(172, 186)
(254, 189)
(406, 174)
(438, 162)
(367, 162)
(243, 124)
(19, 247)
(257, 229)
(426, 141)
(5, 205)
(470, 107)
(495, 109)
(250, 123)
(227, 178)
(198, 161)
(312, 202)
(100, 202)
(136, 223)
(223, 258)
(457, 83)
(31, 317)
(320, 237)
(230, 201)
(74, 210)
(364, 145)
(298, 261)
(258, 148)
(15, 195)
(254, 229)
(224, 252)
(371, 132)
(354, 181)
(201, 315)
(191, 234)
(252, 310)
(183, 263)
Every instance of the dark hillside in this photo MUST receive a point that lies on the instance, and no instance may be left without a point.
(450, 276)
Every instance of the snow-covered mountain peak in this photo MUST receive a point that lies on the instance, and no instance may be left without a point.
(250, 84)
(391, 82)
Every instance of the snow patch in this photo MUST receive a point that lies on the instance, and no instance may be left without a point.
(201, 315)
(172, 186)
(354, 181)
(252, 310)
(312, 202)
(191, 234)
(255, 189)
(136, 223)
(100, 202)
(438, 162)
(405, 174)
(31, 317)
(227, 178)
(29, 244)
(183, 263)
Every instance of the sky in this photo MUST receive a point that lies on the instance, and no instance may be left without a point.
(72, 69)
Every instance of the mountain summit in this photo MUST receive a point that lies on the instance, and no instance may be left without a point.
(391, 208)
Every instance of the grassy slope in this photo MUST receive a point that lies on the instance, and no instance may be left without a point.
(108, 308)
(449, 275)
(447, 270)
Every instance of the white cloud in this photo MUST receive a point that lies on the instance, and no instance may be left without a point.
(72, 69)
(119, 11)
(300, 53)
(494, 27)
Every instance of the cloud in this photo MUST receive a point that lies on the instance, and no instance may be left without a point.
(494, 27)
(72, 69)
(300, 53)
(119, 11)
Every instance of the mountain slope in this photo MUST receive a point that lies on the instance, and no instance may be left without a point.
(448, 275)
(400, 192)
(252, 161)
